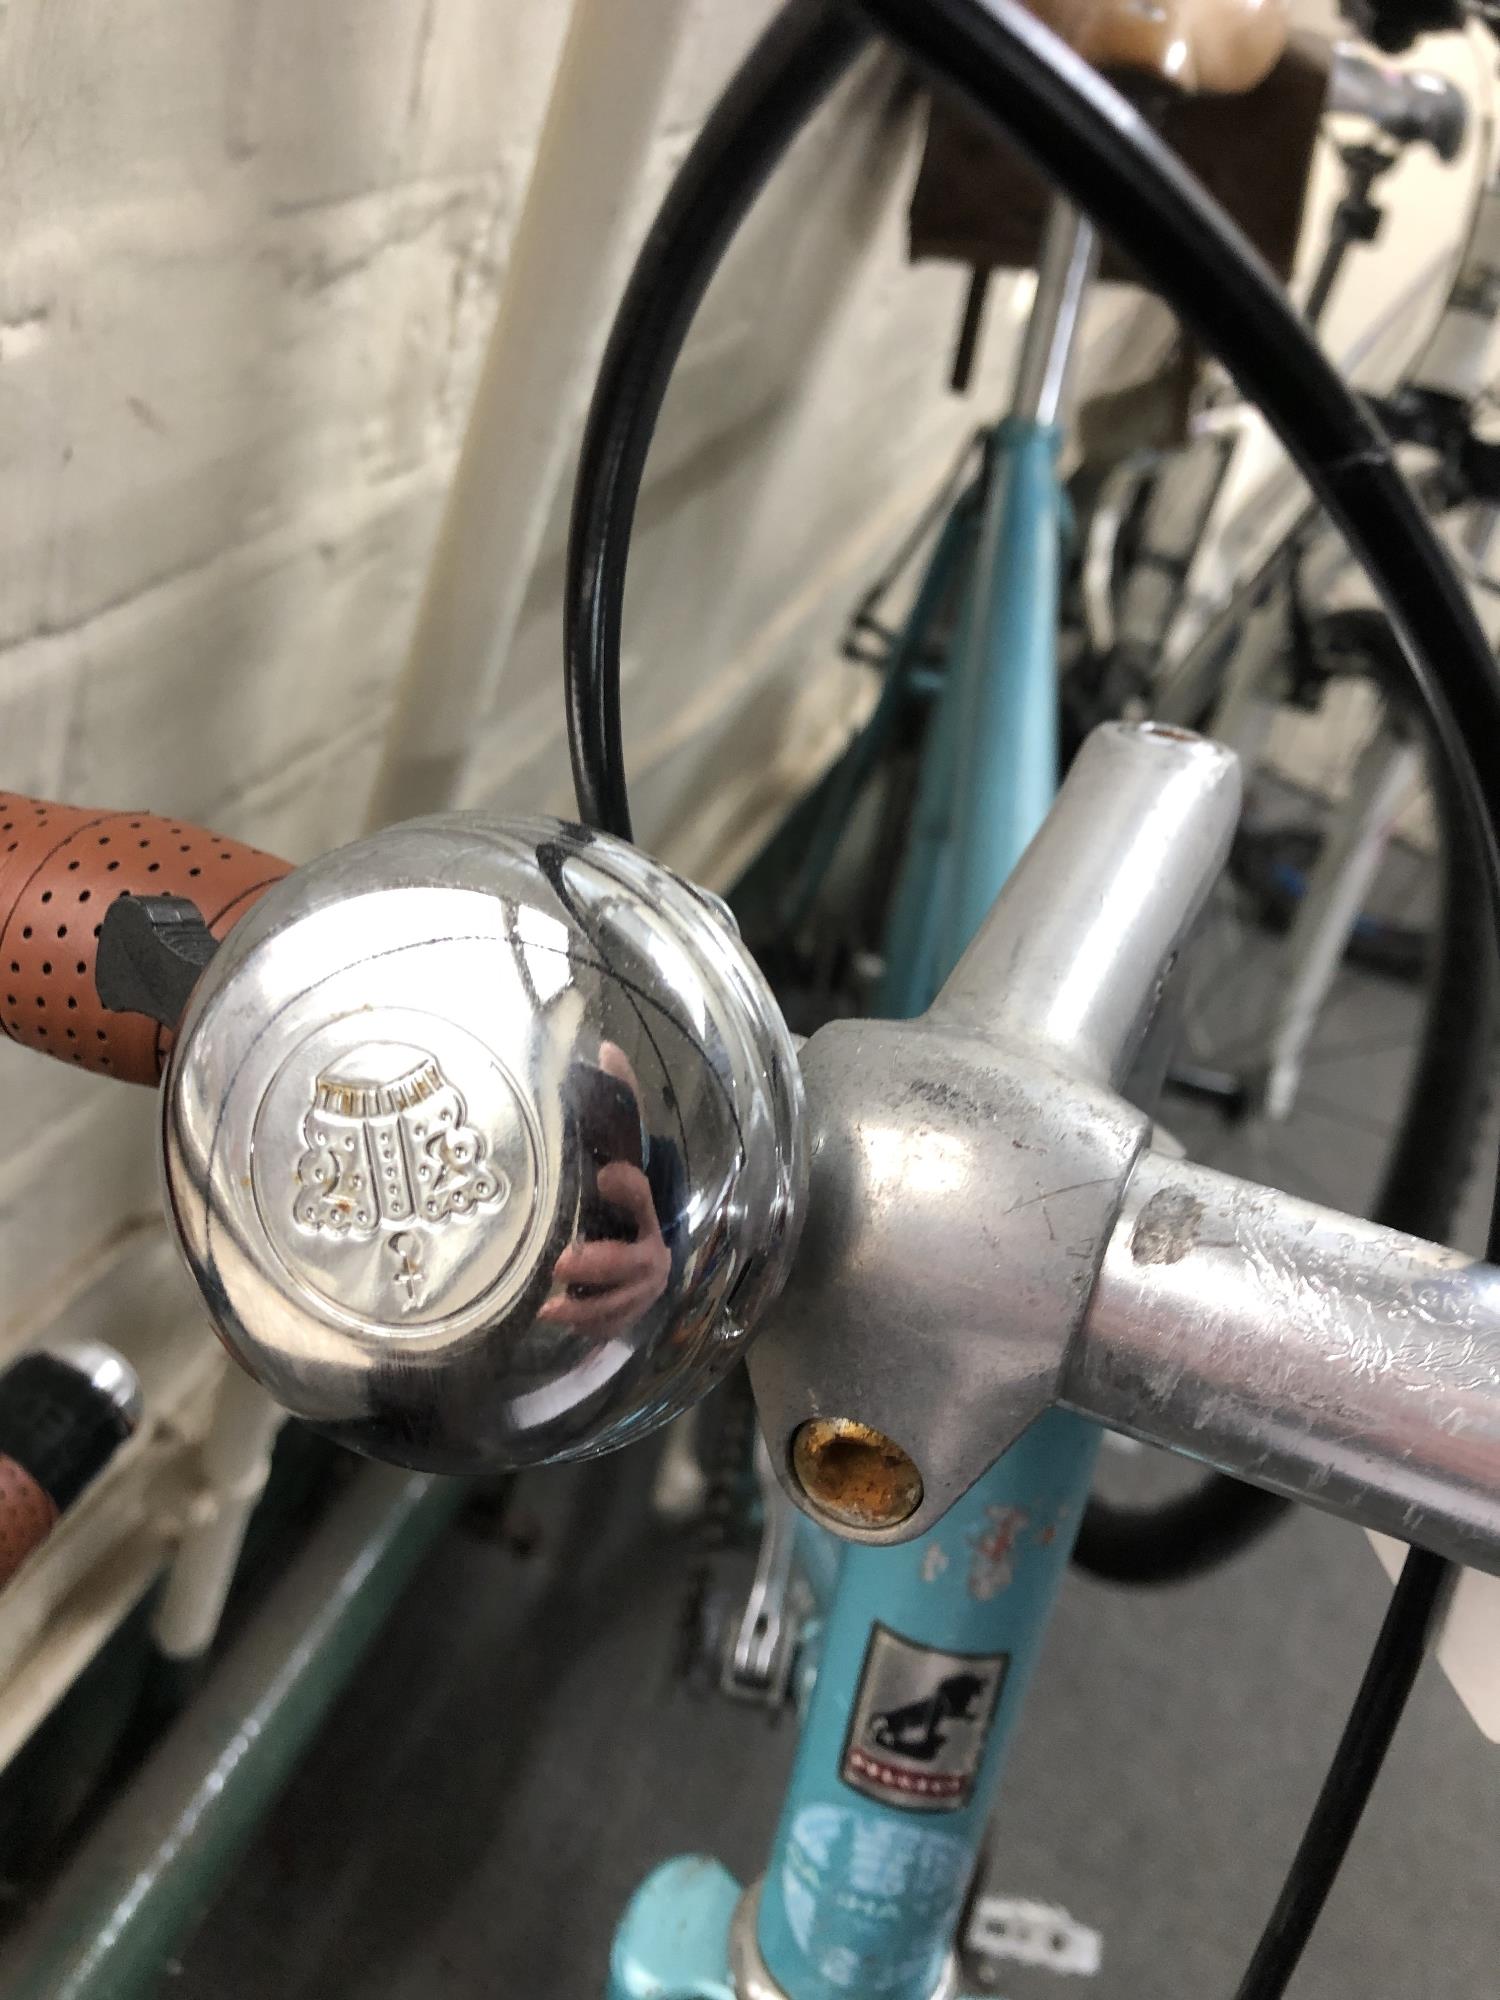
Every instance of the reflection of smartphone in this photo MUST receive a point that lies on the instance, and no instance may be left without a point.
(609, 1128)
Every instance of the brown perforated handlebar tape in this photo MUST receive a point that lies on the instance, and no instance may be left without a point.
(60, 869)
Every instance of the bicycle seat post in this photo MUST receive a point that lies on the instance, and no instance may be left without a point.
(1003, 708)
(1065, 267)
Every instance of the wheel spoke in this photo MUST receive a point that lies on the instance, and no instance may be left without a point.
(1358, 1121)
(1388, 1045)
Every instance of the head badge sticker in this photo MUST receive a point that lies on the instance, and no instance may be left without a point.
(920, 1723)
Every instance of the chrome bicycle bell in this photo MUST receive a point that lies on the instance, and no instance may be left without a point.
(483, 1143)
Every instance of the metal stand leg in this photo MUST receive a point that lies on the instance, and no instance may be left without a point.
(1345, 873)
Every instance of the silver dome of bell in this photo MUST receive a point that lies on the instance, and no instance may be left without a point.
(482, 1140)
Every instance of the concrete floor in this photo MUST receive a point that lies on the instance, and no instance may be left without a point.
(514, 1756)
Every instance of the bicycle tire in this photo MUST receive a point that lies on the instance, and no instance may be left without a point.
(1426, 1176)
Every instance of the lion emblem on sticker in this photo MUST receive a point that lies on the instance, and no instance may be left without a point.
(920, 1722)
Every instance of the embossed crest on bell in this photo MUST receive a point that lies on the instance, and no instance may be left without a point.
(387, 1142)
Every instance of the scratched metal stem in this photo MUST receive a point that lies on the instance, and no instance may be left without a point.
(988, 1234)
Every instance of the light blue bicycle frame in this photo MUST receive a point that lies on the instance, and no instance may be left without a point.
(862, 1897)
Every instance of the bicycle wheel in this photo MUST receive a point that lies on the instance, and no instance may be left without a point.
(1373, 1098)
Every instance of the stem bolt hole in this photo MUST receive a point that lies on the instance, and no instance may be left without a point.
(857, 1476)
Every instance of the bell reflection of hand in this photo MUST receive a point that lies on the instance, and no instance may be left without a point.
(617, 1280)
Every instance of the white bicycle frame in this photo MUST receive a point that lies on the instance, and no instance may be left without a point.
(1221, 508)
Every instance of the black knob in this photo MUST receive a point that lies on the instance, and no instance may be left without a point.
(152, 951)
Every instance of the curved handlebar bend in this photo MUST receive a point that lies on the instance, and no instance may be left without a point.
(60, 869)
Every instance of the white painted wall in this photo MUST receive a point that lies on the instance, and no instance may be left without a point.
(252, 254)
(253, 251)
